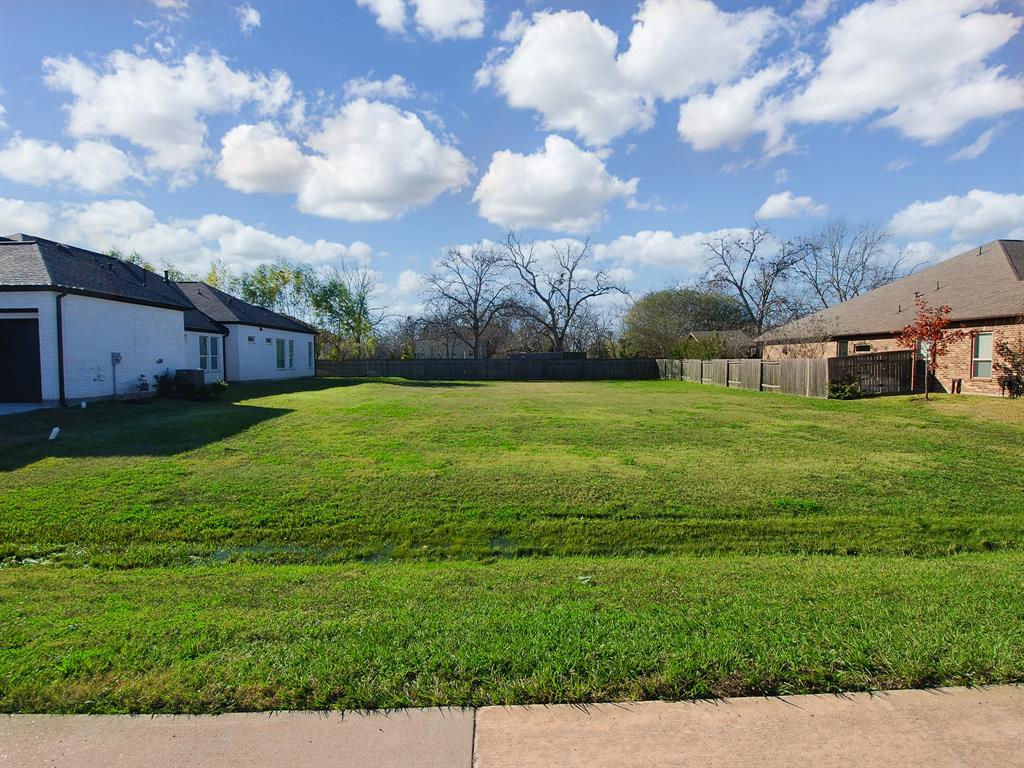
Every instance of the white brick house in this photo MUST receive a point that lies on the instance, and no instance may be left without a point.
(259, 344)
(77, 325)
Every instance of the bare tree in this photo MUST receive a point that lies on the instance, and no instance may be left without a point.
(754, 267)
(840, 262)
(556, 288)
(438, 326)
(594, 332)
(470, 289)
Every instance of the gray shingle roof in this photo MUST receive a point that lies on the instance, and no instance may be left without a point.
(981, 284)
(27, 261)
(225, 308)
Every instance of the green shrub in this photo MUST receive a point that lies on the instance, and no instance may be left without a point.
(165, 383)
(846, 388)
(167, 386)
(214, 391)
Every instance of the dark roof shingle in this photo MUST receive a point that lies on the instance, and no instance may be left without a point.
(34, 262)
(225, 308)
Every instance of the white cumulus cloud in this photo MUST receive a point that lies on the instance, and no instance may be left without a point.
(733, 112)
(786, 205)
(160, 106)
(559, 187)
(662, 248)
(566, 65)
(435, 19)
(368, 162)
(978, 214)
(922, 64)
(32, 218)
(191, 244)
(564, 68)
(94, 166)
(923, 69)
(676, 48)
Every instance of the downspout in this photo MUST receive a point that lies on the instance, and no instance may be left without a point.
(60, 349)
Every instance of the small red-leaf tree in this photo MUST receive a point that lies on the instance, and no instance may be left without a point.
(929, 329)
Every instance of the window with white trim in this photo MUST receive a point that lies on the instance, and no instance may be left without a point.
(252, 339)
(280, 354)
(981, 356)
(291, 353)
(309, 353)
(209, 353)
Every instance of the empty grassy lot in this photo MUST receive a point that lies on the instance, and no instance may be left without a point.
(365, 543)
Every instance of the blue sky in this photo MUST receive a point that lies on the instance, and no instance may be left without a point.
(382, 131)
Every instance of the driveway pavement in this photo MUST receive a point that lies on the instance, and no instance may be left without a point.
(938, 728)
(6, 408)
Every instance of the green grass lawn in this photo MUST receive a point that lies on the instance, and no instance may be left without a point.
(384, 543)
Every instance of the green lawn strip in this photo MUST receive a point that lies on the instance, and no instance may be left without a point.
(254, 637)
(337, 471)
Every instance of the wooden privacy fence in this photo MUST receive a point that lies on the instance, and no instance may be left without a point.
(494, 369)
(803, 376)
(879, 373)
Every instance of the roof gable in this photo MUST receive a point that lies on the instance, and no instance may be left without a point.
(984, 283)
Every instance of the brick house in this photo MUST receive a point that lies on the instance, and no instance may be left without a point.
(984, 287)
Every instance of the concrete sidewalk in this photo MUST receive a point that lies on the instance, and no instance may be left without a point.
(939, 728)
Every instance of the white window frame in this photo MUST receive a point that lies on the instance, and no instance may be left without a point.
(309, 354)
(291, 354)
(209, 353)
(974, 355)
(279, 354)
(252, 339)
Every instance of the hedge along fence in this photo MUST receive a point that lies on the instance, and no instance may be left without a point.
(494, 369)
(802, 376)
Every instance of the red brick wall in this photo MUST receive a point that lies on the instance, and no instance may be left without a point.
(955, 364)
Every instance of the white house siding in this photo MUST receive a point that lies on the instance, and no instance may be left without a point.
(252, 361)
(46, 304)
(192, 355)
(150, 340)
